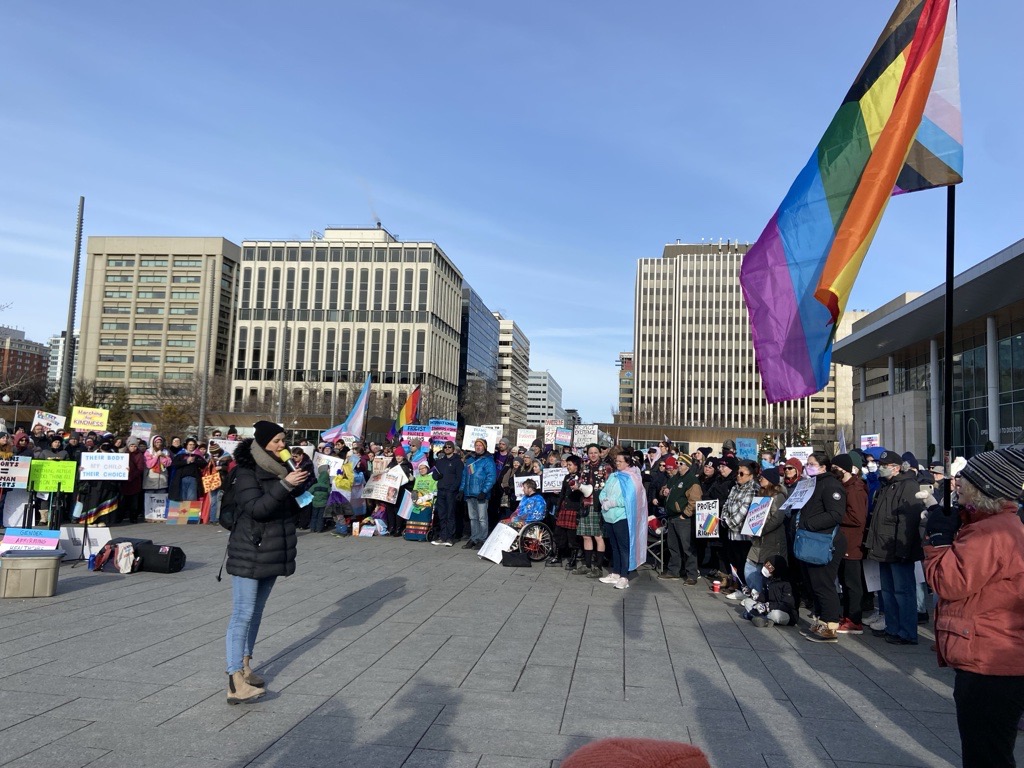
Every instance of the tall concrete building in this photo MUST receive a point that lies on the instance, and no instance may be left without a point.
(624, 412)
(543, 398)
(55, 364)
(513, 374)
(316, 316)
(694, 365)
(157, 312)
(22, 364)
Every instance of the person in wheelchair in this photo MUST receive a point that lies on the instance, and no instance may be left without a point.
(531, 509)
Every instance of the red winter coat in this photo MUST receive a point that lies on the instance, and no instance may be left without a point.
(136, 471)
(979, 621)
(856, 517)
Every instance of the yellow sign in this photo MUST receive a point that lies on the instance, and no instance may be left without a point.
(89, 419)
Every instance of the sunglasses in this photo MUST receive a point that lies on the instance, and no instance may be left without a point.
(791, 469)
(742, 473)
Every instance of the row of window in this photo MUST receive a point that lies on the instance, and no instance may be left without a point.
(180, 262)
(120, 341)
(109, 358)
(307, 254)
(154, 278)
(181, 295)
(277, 288)
(253, 357)
(113, 373)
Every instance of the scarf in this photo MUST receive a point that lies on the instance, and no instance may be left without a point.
(267, 462)
(734, 511)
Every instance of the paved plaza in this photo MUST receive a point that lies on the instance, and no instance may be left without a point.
(386, 653)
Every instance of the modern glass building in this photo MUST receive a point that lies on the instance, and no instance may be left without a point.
(902, 343)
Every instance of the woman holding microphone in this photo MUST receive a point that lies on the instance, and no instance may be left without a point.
(261, 547)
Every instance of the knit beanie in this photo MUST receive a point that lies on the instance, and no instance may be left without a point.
(771, 474)
(997, 474)
(265, 432)
(636, 753)
(731, 462)
(794, 462)
(706, 451)
(856, 458)
(670, 463)
(844, 462)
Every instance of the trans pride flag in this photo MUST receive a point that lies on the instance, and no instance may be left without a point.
(406, 415)
(898, 130)
(356, 420)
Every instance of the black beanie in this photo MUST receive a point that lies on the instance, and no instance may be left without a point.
(265, 432)
(844, 461)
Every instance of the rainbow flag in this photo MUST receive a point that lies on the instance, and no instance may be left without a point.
(898, 130)
(407, 414)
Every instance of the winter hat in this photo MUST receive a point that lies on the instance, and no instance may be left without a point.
(997, 474)
(728, 445)
(731, 462)
(399, 452)
(670, 463)
(705, 451)
(938, 469)
(910, 459)
(844, 462)
(771, 474)
(231, 430)
(890, 457)
(857, 458)
(794, 462)
(684, 460)
(636, 753)
(265, 432)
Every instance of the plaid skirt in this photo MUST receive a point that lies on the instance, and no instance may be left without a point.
(566, 518)
(592, 524)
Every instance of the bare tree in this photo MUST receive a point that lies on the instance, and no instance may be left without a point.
(479, 403)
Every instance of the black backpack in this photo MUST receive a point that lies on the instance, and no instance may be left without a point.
(228, 508)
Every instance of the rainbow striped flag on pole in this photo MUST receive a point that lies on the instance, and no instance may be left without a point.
(407, 414)
(898, 130)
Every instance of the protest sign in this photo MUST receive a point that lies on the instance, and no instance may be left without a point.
(583, 435)
(72, 544)
(380, 465)
(49, 421)
(156, 507)
(14, 472)
(405, 508)
(29, 538)
(757, 513)
(801, 493)
(51, 475)
(89, 419)
(16, 507)
(549, 434)
(420, 431)
(870, 441)
(228, 446)
(518, 482)
(801, 452)
(384, 487)
(309, 450)
(143, 430)
(554, 422)
(563, 436)
(104, 466)
(525, 437)
(184, 512)
(442, 430)
(471, 434)
(493, 436)
(707, 519)
(333, 463)
(501, 538)
(746, 449)
(553, 477)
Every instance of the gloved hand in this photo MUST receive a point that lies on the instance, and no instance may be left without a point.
(940, 528)
(482, 496)
(755, 594)
(459, 496)
(760, 608)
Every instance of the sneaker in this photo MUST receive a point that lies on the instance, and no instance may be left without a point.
(668, 576)
(737, 595)
(896, 640)
(611, 578)
(922, 618)
(436, 542)
(468, 545)
(847, 627)
(447, 543)
(622, 583)
(823, 634)
(553, 562)
(815, 623)
(878, 623)
(761, 622)
(871, 618)
(690, 582)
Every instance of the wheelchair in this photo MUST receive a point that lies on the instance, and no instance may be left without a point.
(536, 540)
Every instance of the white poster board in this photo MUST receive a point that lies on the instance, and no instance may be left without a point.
(71, 540)
(518, 482)
(143, 430)
(156, 506)
(707, 519)
(103, 466)
(14, 472)
(798, 498)
(29, 539)
(501, 538)
(757, 513)
(471, 434)
(553, 477)
(385, 487)
(228, 446)
(870, 441)
(801, 452)
(525, 437)
(49, 421)
(583, 435)
(15, 502)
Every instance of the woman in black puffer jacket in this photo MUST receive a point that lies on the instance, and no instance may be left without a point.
(261, 547)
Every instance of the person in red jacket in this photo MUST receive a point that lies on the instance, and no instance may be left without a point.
(853, 523)
(131, 489)
(977, 571)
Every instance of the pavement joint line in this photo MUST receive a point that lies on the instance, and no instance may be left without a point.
(536, 640)
(572, 677)
(671, 663)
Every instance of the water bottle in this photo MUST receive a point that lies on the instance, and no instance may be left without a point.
(92, 562)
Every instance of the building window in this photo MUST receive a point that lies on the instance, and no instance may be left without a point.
(246, 286)
(275, 287)
(360, 349)
(186, 278)
(271, 346)
(117, 294)
(403, 364)
(346, 340)
(257, 348)
(149, 310)
(364, 287)
(180, 359)
(423, 290)
(349, 279)
(407, 293)
(188, 263)
(185, 295)
(332, 298)
(152, 294)
(120, 261)
(304, 288)
(318, 289)
(289, 288)
(331, 349)
(374, 349)
(421, 342)
(153, 263)
(114, 326)
(314, 362)
(261, 288)
(152, 278)
(184, 311)
(389, 351)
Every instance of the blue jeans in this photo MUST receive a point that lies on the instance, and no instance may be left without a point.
(248, 597)
(618, 545)
(899, 593)
(316, 519)
(752, 576)
(477, 519)
(189, 489)
(215, 505)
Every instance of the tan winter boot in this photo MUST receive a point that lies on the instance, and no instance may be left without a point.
(240, 692)
(251, 677)
(825, 632)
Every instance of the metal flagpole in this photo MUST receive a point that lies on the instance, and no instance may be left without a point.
(64, 401)
(947, 354)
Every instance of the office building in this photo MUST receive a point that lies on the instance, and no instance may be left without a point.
(156, 314)
(513, 374)
(899, 351)
(55, 364)
(543, 398)
(22, 365)
(624, 412)
(316, 316)
(572, 417)
(478, 360)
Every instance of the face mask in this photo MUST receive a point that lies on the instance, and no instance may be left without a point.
(765, 572)
(811, 471)
(872, 467)
(887, 471)
(765, 464)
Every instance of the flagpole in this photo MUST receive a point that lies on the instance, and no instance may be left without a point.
(947, 345)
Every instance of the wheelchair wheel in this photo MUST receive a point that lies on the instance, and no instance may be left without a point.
(537, 541)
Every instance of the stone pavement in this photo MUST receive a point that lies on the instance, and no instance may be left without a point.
(381, 652)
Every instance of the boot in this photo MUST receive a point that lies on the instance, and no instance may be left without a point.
(571, 562)
(240, 692)
(596, 572)
(251, 677)
(581, 569)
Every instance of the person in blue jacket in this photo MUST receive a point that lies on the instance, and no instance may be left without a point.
(477, 480)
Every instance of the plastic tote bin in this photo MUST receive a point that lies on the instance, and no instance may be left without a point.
(29, 572)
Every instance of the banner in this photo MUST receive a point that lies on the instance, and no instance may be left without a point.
(421, 431)
(799, 452)
(29, 538)
(553, 477)
(385, 487)
(104, 466)
(583, 435)
(798, 498)
(757, 513)
(518, 482)
(156, 506)
(746, 449)
(442, 430)
(14, 472)
(228, 446)
(870, 441)
(563, 436)
(525, 437)
(53, 475)
(707, 519)
(49, 421)
(142, 430)
(89, 419)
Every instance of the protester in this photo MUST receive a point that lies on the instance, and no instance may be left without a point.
(158, 462)
(131, 507)
(448, 469)
(262, 547)
(684, 491)
(568, 506)
(734, 515)
(477, 480)
(589, 524)
(533, 508)
(618, 499)
(771, 541)
(773, 603)
(188, 464)
(851, 572)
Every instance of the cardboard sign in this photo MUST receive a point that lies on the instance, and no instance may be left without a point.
(707, 519)
(870, 441)
(333, 463)
(53, 475)
(14, 472)
(442, 430)
(583, 435)
(801, 452)
(553, 477)
(472, 434)
(380, 465)
(104, 466)
(746, 449)
(549, 434)
(493, 436)
(501, 538)
(525, 437)
(89, 419)
(228, 446)
(142, 430)
(798, 498)
(385, 487)
(757, 513)
(29, 538)
(71, 540)
(49, 421)
(563, 436)
(156, 507)
(518, 482)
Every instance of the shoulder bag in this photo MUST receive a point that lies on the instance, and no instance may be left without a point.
(812, 547)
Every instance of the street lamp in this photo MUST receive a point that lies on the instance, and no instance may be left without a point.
(7, 399)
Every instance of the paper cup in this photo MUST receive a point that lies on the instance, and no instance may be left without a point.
(355, 528)
(716, 586)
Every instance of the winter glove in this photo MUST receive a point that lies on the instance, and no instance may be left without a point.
(755, 594)
(482, 496)
(761, 608)
(459, 496)
(940, 528)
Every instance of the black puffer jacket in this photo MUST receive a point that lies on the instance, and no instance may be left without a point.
(894, 535)
(263, 541)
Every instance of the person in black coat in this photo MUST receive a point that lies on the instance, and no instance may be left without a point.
(823, 513)
(261, 547)
(448, 471)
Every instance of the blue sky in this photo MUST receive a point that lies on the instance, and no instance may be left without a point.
(544, 146)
